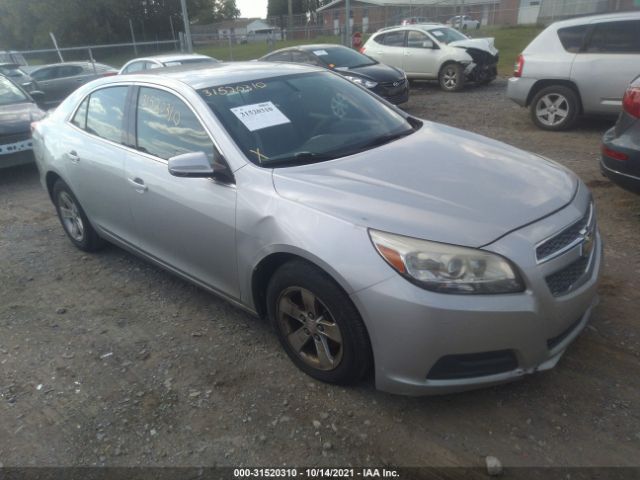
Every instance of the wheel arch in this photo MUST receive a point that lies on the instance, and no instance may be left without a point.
(50, 179)
(268, 264)
(540, 84)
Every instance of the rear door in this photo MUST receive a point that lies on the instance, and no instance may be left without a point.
(607, 63)
(388, 48)
(95, 159)
(420, 60)
(46, 78)
(186, 223)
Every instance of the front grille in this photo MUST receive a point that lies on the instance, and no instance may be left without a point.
(14, 138)
(562, 240)
(390, 85)
(561, 281)
(451, 367)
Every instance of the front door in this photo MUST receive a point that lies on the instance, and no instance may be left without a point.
(186, 223)
(420, 56)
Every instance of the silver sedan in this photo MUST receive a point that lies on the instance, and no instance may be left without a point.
(371, 239)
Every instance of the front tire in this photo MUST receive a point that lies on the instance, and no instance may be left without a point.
(554, 108)
(317, 324)
(73, 219)
(451, 77)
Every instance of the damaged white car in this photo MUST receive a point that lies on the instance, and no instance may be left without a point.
(435, 51)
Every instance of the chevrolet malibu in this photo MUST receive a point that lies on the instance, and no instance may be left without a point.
(371, 239)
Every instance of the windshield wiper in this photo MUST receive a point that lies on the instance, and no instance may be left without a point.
(299, 158)
(382, 140)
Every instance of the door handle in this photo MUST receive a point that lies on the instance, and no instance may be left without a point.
(73, 156)
(138, 184)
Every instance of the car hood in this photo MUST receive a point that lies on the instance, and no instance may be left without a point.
(439, 184)
(17, 117)
(486, 44)
(377, 72)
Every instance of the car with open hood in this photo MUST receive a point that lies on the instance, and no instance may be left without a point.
(17, 110)
(435, 52)
(388, 82)
(371, 239)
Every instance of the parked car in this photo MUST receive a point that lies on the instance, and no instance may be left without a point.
(620, 159)
(58, 80)
(17, 110)
(414, 20)
(370, 238)
(388, 82)
(168, 60)
(577, 67)
(17, 75)
(463, 22)
(435, 52)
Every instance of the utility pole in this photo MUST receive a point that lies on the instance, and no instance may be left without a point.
(347, 28)
(290, 25)
(187, 28)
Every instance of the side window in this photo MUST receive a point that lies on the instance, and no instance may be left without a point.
(615, 37)
(416, 39)
(394, 39)
(572, 38)
(106, 113)
(135, 67)
(43, 74)
(166, 127)
(80, 118)
(280, 57)
(379, 38)
(69, 71)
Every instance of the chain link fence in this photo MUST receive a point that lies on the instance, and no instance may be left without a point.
(245, 39)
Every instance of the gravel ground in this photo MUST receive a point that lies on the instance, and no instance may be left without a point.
(106, 360)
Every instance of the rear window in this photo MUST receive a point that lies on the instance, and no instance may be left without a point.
(615, 37)
(572, 38)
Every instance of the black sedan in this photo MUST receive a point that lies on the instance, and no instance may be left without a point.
(15, 73)
(388, 82)
(17, 110)
(621, 145)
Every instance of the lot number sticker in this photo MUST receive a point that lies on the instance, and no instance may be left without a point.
(320, 53)
(260, 115)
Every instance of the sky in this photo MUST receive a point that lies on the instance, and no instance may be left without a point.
(252, 8)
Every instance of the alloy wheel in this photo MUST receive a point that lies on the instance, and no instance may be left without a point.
(450, 78)
(552, 109)
(70, 215)
(309, 328)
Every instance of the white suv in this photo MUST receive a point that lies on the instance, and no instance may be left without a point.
(578, 66)
(435, 51)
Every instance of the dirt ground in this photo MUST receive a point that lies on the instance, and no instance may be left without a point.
(106, 360)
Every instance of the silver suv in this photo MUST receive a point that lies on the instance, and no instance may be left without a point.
(578, 66)
(435, 51)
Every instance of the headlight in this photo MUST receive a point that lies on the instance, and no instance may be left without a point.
(362, 81)
(444, 268)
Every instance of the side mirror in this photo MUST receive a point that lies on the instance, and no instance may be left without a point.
(427, 44)
(196, 165)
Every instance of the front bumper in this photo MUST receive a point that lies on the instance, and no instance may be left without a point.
(518, 89)
(412, 329)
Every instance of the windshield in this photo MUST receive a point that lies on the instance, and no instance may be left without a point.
(10, 93)
(342, 58)
(447, 35)
(303, 118)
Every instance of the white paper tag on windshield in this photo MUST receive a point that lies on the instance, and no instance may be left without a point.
(260, 115)
(320, 53)
(437, 33)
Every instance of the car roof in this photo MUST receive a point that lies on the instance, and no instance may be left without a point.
(423, 26)
(199, 76)
(597, 18)
(170, 57)
(60, 64)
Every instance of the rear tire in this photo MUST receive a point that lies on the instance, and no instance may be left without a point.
(317, 324)
(451, 77)
(73, 219)
(554, 108)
